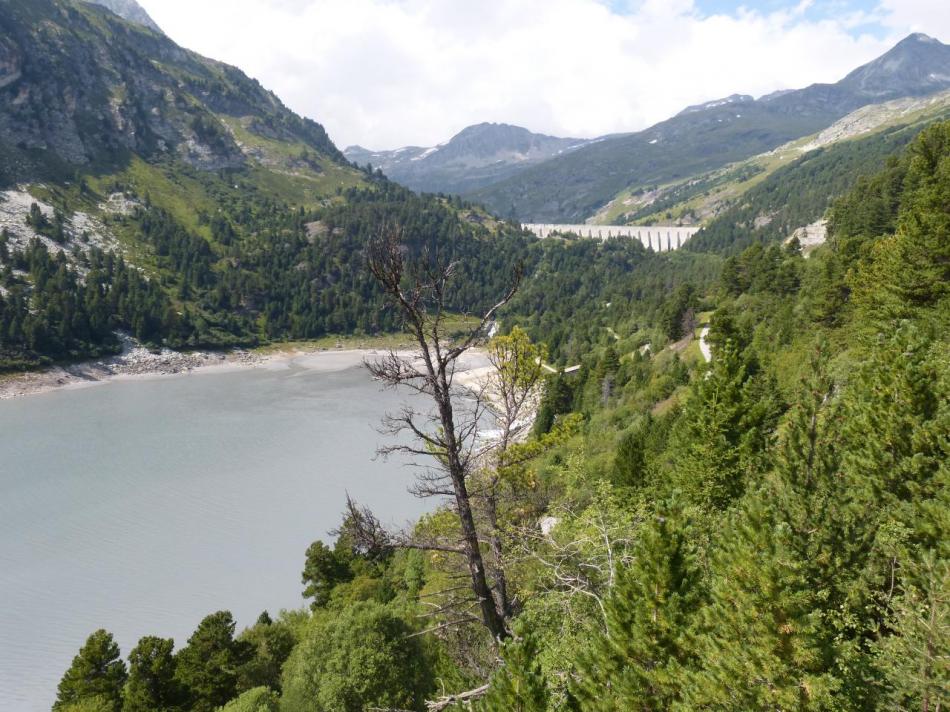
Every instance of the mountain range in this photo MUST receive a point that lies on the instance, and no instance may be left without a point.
(474, 158)
(575, 179)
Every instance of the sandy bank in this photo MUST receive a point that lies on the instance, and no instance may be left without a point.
(136, 362)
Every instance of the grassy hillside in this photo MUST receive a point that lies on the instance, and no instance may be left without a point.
(702, 199)
(572, 188)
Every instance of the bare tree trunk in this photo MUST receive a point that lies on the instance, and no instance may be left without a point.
(422, 304)
(503, 600)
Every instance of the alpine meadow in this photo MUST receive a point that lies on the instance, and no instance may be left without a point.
(673, 400)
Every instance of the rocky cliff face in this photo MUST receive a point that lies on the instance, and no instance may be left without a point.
(916, 66)
(81, 87)
(129, 10)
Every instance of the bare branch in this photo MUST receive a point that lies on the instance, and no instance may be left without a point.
(449, 700)
(448, 436)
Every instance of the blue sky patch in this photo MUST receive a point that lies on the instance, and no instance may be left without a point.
(818, 10)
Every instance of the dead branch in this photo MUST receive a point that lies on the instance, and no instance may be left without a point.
(449, 700)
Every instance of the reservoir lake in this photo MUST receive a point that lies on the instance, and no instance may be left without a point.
(142, 505)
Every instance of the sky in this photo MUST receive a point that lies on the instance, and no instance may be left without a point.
(390, 73)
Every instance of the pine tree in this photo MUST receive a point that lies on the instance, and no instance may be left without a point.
(324, 569)
(519, 685)
(915, 655)
(761, 640)
(96, 672)
(151, 686)
(630, 462)
(910, 270)
(725, 429)
(208, 666)
(558, 399)
(897, 423)
(640, 662)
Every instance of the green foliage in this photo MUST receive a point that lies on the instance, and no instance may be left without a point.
(801, 192)
(518, 685)
(767, 532)
(915, 659)
(95, 678)
(60, 315)
(639, 661)
(358, 658)
(558, 399)
(209, 665)
(761, 638)
(725, 428)
(270, 644)
(152, 686)
(910, 271)
(258, 699)
(672, 317)
(99, 703)
(630, 462)
(325, 568)
(577, 289)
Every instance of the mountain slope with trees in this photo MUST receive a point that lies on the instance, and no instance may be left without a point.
(770, 530)
(571, 188)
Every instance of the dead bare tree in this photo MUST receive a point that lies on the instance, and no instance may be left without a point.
(443, 432)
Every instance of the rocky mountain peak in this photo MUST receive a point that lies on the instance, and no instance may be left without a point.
(917, 65)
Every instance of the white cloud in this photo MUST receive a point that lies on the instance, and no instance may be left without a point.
(928, 16)
(385, 73)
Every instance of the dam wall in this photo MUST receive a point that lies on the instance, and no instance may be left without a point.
(659, 238)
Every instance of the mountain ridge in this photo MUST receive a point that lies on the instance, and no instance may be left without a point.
(83, 87)
(476, 156)
(707, 136)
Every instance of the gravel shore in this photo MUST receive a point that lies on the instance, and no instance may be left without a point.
(136, 361)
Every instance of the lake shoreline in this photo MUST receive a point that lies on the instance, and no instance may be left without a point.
(136, 362)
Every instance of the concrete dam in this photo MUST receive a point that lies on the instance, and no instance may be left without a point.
(659, 238)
